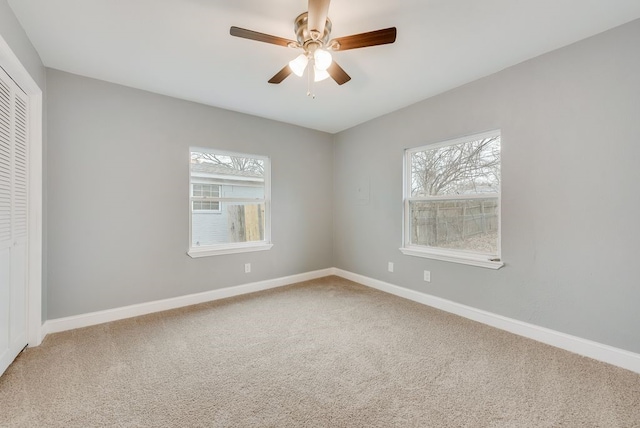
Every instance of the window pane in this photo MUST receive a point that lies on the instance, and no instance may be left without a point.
(231, 166)
(230, 192)
(206, 205)
(458, 169)
(238, 222)
(470, 225)
(207, 191)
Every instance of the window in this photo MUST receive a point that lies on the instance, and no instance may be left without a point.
(201, 195)
(229, 202)
(452, 201)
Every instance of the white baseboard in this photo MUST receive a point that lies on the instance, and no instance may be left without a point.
(93, 318)
(605, 353)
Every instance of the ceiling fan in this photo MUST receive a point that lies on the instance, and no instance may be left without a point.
(313, 29)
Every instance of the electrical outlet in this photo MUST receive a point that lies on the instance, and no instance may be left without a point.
(247, 267)
(390, 267)
(427, 276)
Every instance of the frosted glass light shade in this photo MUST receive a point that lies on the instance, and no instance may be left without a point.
(299, 64)
(322, 59)
(319, 75)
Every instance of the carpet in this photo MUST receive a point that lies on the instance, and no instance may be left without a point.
(321, 353)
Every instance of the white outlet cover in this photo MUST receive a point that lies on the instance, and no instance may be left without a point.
(427, 276)
(390, 267)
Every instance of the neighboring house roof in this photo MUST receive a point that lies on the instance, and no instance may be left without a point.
(217, 169)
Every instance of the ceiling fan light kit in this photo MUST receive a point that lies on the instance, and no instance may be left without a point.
(320, 75)
(299, 64)
(313, 31)
(322, 59)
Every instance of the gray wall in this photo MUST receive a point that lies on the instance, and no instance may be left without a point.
(13, 33)
(570, 125)
(119, 190)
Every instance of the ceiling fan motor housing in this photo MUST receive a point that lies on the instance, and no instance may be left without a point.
(306, 38)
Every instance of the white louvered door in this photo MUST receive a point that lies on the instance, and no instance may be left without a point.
(13, 219)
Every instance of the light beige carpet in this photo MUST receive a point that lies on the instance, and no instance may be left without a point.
(323, 353)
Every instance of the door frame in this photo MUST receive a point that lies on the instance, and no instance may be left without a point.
(12, 65)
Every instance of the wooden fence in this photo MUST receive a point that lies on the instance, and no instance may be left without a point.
(246, 222)
(439, 223)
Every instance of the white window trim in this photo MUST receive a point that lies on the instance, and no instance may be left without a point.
(234, 247)
(443, 254)
(451, 256)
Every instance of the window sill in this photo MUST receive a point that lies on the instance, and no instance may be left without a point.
(198, 252)
(452, 256)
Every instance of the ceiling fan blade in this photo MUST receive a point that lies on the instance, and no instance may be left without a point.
(317, 16)
(363, 40)
(260, 37)
(338, 74)
(281, 75)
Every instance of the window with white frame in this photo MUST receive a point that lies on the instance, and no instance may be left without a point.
(235, 187)
(452, 201)
(202, 195)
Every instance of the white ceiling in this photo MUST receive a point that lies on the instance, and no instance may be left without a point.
(182, 48)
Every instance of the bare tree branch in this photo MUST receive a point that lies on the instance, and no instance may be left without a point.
(457, 169)
(236, 163)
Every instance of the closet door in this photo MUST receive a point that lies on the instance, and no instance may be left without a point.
(13, 219)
